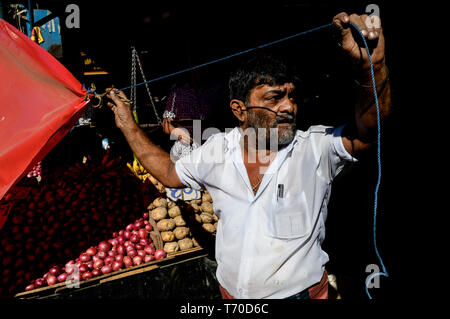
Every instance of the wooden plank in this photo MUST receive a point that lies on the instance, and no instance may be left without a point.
(184, 252)
(129, 273)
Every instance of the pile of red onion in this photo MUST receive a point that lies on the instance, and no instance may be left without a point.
(74, 208)
(129, 247)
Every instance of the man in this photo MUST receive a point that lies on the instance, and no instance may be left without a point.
(271, 198)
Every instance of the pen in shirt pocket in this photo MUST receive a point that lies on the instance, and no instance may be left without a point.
(280, 192)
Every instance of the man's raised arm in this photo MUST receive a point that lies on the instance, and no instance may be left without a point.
(155, 160)
(364, 134)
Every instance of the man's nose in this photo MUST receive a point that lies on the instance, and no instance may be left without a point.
(287, 106)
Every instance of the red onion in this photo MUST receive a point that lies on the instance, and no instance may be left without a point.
(115, 234)
(112, 253)
(160, 253)
(131, 253)
(138, 224)
(139, 246)
(30, 287)
(85, 257)
(129, 247)
(106, 269)
(96, 272)
(90, 264)
(113, 241)
(39, 282)
(83, 268)
(142, 233)
(121, 232)
(56, 270)
(104, 246)
(137, 260)
(91, 251)
(62, 277)
(145, 215)
(120, 239)
(127, 261)
(127, 234)
(98, 264)
(109, 260)
(117, 265)
(70, 268)
(148, 227)
(51, 280)
(129, 228)
(101, 254)
(134, 238)
(87, 275)
(148, 258)
(150, 250)
(144, 241)
(141, 253)
(120, 249)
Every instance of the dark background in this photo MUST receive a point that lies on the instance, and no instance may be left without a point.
(171, 36)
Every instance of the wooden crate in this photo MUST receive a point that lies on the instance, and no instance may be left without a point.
(62, 288)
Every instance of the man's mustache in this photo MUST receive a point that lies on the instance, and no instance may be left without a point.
(284, 119)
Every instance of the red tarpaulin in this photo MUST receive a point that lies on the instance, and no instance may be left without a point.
(40, 100)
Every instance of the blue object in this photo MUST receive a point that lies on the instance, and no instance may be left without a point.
(375, 204)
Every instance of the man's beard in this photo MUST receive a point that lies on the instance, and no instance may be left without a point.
(270, 136)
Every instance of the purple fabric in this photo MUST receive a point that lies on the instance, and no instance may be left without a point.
(189, 103)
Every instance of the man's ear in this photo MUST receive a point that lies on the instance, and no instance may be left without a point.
(238, 109)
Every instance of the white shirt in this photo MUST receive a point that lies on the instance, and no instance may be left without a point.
(269, 247)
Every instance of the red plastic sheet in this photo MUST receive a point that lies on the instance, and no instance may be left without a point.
(40, 101)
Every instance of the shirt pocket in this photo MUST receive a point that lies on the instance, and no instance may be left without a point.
(290, 218)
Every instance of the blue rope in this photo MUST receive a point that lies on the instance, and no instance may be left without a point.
(229, 56)
(377, 187)
(375, 206)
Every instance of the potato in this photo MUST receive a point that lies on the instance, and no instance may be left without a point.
(198, 218)
(215, 218)
(181, 232)
(215, 225)
(171, 247)
(160, 202)
(166, 224)
(206, 218)
(179, 221)
(207, 207)
(167, 236)
(170, 203)
(196, 201)
(158, 213)
(206, 197)
(185, 243)
(174, 211)
(209, 227)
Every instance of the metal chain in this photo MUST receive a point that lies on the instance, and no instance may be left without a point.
(133, 96)
(148, 90)
(134, 59)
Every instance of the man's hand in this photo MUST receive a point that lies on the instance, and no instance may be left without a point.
(372, 31)
(121, 108)
(176, 133)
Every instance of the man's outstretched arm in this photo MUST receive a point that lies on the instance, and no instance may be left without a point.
(155, 160)
(364, 133)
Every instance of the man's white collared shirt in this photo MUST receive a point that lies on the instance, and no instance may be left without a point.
(268, 245)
